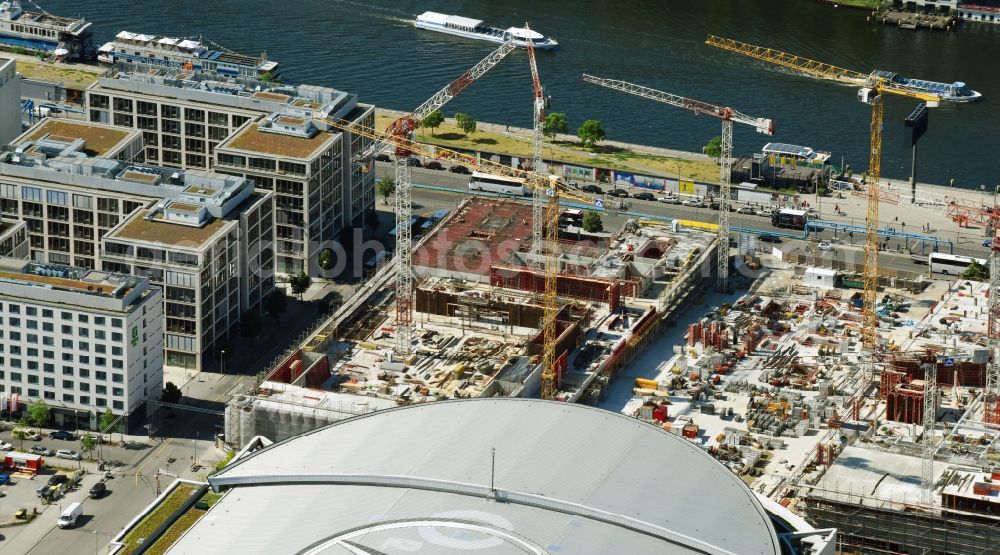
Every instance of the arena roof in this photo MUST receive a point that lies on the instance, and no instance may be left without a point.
(568, 478)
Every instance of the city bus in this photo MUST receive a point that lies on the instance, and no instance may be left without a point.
(950, 264)
(502, 185)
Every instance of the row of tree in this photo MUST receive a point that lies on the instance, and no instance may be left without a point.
(590, 133)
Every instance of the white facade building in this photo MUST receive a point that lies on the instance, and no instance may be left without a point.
(83, 341)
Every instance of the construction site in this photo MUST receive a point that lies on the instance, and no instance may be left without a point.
(866, 403)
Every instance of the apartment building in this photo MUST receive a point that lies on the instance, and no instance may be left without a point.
(302, 165)
(70, 202)
(185, 116)
(44, 183)
(81, 340)
(13, 239)
(210, 249)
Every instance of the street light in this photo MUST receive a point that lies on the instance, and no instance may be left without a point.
(223, 360)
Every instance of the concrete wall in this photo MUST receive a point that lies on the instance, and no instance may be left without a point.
(10, 102)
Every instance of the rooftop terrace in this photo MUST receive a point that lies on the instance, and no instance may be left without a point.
(253, 139)
(98, 139)
(158, 230)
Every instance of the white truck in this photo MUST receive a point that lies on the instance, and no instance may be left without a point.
(69, 515)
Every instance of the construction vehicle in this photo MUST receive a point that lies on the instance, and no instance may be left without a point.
(728, 116)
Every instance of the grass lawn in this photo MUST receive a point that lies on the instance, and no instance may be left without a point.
(450, 136)
(72, 78)
(154, 519)
(175, 532)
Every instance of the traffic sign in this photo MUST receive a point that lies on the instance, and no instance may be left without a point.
(949, 361)
(599, 203)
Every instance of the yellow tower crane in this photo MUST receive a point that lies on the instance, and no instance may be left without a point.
(873, 86)
(553, 189)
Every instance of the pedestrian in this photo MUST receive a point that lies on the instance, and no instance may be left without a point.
(902, 224)
(508, 128)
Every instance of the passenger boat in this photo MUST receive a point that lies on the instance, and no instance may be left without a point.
(187, 54)
(62, 37)
(953, 92)
(475, 29)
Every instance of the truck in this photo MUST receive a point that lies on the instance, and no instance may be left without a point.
(787, 217)
(69, 516)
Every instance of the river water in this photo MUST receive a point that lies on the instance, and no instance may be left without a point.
(372, 49)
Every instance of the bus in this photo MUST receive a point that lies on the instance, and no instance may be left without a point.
(502, 185)
(795, 219)
(950, 264)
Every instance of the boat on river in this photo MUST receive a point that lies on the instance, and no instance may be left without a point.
(476, 29)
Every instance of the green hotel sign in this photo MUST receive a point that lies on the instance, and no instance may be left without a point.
(135, 335)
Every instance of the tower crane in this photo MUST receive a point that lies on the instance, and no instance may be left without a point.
(873, 86)
(728, 116)
(538, 115)
(552, 187)
(404, 128)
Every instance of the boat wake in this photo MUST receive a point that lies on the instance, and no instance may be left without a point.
(381, 12)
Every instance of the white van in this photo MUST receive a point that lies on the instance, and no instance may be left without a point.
(69, 516)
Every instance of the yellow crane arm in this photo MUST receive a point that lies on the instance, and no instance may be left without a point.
(789, 61)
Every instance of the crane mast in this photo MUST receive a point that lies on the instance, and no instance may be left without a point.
(728, 116)
(538, 118)
(404, 127)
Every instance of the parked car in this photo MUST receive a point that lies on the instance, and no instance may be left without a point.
(62, 434)
(644, 195)
(769, 238)
(824, 246)
(619, 193)
(57, 479)
(694, 203)
(433, 165)
(591, 188)
(30, 435)
(459, 169)
(4, 446)
(669, 199)
(413, 163)
(383, 157)
(746, 210)
(42, 450)
(987, 242)
(68, 454)
(98, 490)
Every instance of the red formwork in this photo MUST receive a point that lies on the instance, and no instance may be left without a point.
(889, 380)
(575, 287)
(905, 404)
(970, 374)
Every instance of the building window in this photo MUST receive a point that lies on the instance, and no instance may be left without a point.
(123, 120)
(215, 118)
(99, 101)
(116, 322)
(67, 398)
(49, 382)
(67, 370)
(102, 402)
(192, 114)
(194, 130)
(84, 400)
(170, 112)
(101, 389)
(117, 392)
(123, 105)
(49, 395)
(118, 405)
(99, 321)
(31, 193)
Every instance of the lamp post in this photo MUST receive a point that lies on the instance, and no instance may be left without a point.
(222, 358)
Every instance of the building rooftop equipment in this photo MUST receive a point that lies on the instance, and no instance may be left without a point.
(77, 286)
(580, 482)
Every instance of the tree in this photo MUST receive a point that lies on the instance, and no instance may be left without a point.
(268, 77)
(108, 419)
(38, 413)
(465, 122)
(171, 393)
(250, 323)
(21, 430)
(975, 271)
(590, 133)
(433, 120)
(87, 443)
(714, 147)
(300, 284)
(277, 302)
(592, 222)
(325, 259)
(386, 186)
(554, 124)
